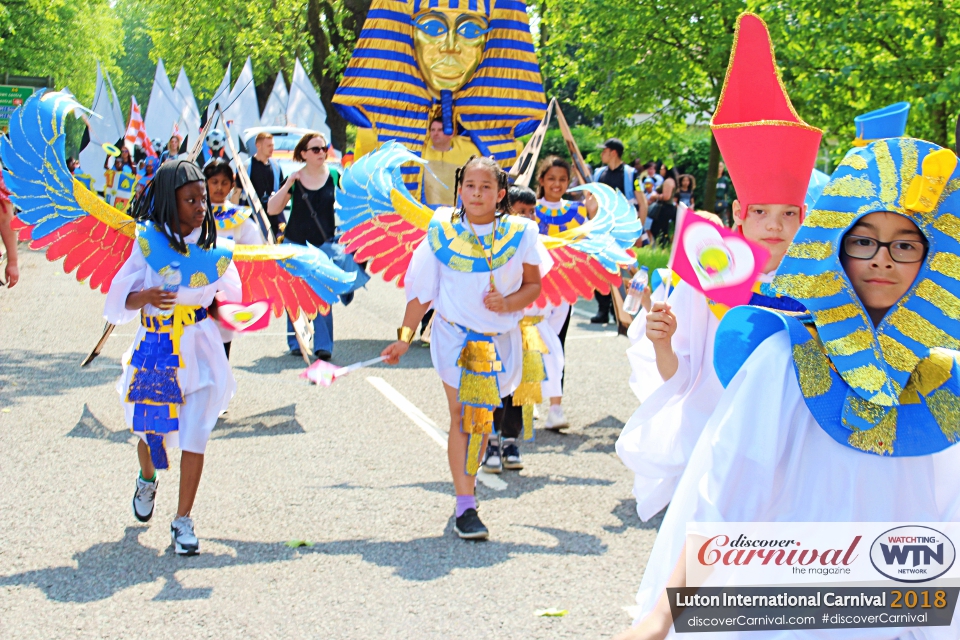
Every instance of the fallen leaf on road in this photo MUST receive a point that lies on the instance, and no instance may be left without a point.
(5, 410)
(293, 544)
(550, 613)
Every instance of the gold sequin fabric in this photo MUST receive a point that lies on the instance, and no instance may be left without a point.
(813, 369)
(850, 187)
(878, 177)
(810, 250)
(801, 286)
(945, 407)
(880, 439)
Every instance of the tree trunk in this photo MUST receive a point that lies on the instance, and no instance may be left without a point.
(328, 37)
(710, 190)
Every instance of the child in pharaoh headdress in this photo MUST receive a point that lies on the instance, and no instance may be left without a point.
(770, 153)
(554, 215)
(176, 377)
(542, 365)
(480, 268)
(233, 222)
(848, 413)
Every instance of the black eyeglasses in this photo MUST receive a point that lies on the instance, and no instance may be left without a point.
(903, 251)
(315, 149)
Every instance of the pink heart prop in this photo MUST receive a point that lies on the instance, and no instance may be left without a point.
(245, 317)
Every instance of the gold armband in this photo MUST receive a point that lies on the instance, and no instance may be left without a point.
(405, 334)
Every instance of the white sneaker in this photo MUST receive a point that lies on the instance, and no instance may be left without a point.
(144, 498)
(492, 460)
(185, 542)
(555, 418)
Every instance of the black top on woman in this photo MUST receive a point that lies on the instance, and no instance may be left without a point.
(312, 218)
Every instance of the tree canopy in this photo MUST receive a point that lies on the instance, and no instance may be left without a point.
(649, 72)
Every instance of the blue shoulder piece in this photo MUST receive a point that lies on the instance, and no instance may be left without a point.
(925, 421)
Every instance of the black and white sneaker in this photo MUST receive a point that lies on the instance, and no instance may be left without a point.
(469, 527)
(492, 460)
(144, 498)
(185, 542)
(511, 455)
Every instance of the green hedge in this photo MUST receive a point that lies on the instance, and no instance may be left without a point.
(652, 257)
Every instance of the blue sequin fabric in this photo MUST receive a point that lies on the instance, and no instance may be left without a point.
(155, 389)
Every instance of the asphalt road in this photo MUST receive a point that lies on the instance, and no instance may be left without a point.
(345, 468)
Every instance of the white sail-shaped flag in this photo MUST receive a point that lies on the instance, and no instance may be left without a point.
(275, 113)
(221, 95)
(304, 108)
(242, 110)
(163, 110)
(189, 120)
(117, 111)
(102, 130)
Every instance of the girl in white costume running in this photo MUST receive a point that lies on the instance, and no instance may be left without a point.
(480, 269)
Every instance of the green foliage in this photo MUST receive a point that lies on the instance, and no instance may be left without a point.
(843, 59)
(652, 257)
(662, 58)
(270, 33)
(136, 66)
(553, 145)
(59, 38)
(273, 34)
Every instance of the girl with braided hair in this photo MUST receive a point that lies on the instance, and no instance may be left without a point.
(480, 268)
(176, 379)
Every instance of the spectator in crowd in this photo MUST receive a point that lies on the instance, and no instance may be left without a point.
(312, 220)
(266, 177)
(72, 164)
(687, 185)
(722, 207)
(173, 148)
(651, 169)
(666, 207)
(620, 176)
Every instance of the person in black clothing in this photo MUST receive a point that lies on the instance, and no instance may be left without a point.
(312, 220)
(666, 209)
(266, 177)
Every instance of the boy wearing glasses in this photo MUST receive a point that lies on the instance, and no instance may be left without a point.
(848, 413)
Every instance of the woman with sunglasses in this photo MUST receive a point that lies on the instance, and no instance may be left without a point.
(312, 191)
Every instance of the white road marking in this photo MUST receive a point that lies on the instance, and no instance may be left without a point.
(427, 425)
(594, 334)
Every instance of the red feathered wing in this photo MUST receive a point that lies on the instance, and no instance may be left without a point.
(95, 249)
(386, 243)
(574, 275)
(289, 294)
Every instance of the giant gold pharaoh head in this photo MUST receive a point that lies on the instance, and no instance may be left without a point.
(469, 62)
(448, 44)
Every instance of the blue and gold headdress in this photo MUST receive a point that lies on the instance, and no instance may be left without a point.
(893, 389)
(383, 86)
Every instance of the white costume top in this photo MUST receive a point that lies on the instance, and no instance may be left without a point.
(248, 232)
(760, 459)
(457, 298)
(205, 378)
(660, 436)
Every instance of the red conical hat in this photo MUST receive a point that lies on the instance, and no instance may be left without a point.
(768, 150)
